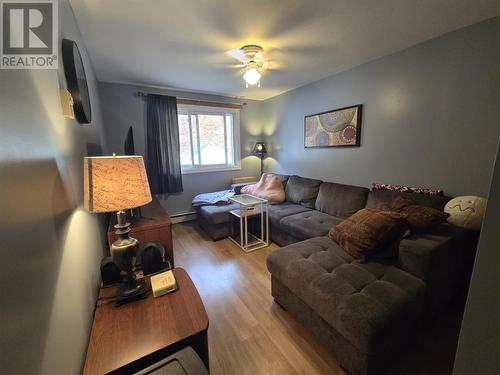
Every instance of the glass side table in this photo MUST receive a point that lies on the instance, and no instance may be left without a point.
(250, 207)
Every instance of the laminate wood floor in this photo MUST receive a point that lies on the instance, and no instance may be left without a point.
(250, 334)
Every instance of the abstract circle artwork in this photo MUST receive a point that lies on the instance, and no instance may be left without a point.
(337, 128)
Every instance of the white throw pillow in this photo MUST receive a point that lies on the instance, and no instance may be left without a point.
(466, 212)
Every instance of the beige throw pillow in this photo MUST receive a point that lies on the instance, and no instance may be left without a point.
(269, 187)
(466, 212)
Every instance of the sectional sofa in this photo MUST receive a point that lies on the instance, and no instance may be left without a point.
(363, 312)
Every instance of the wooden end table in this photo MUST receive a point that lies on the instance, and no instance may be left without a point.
(131, 337)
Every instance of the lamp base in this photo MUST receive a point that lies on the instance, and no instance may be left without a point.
(124, 251)
(131, 291)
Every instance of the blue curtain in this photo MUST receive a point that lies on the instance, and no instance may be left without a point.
(162, 144)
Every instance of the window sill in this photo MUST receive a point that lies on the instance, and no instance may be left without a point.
(210, 170)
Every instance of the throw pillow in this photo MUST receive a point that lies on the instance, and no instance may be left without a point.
(269, 187)
(466, 212)
(407, 189)
(369, 231)
(420, 218)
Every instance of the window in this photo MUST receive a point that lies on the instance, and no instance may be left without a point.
(209, 138)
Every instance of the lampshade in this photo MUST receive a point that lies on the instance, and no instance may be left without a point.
(114, 183)
(259, 149)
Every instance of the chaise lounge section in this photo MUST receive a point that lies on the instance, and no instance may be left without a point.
(361, 312)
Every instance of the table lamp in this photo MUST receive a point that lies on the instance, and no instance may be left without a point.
(118, 183)
(260, 151)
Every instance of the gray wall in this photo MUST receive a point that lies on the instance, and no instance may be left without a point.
(50, 246)
(123, 108)
(478, 343)
(430, 117)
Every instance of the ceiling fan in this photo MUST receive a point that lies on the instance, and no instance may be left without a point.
(252, 63)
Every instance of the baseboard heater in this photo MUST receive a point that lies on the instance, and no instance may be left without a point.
(182, 217)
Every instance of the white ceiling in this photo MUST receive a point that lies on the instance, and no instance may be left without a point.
(181, 43)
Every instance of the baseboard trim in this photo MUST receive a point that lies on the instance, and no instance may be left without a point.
(183, 217)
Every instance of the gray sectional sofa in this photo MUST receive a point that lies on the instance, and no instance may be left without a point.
(363, 312)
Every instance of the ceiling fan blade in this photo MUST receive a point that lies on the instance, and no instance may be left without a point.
(232, 66)
(273, 65)
(237, 54)
(273, 53)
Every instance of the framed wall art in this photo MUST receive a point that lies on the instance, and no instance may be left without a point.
(337, 128)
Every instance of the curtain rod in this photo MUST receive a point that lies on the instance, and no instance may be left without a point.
(200, 102)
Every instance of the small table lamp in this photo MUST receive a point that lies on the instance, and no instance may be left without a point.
(118, 183)
(260, 151)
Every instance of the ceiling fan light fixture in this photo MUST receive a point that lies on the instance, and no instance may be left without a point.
(253, 63)
(252, 76)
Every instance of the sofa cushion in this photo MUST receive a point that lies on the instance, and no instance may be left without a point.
(217, 213)
(370, 304)
(378, 196)
(279, 211)
(302, 190)
(340, 200)
(308, 224)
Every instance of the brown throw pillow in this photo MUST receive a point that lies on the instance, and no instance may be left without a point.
(420, 218)
(369, 231)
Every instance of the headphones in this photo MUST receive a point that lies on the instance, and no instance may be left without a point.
(153, 260)
(153, 257)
